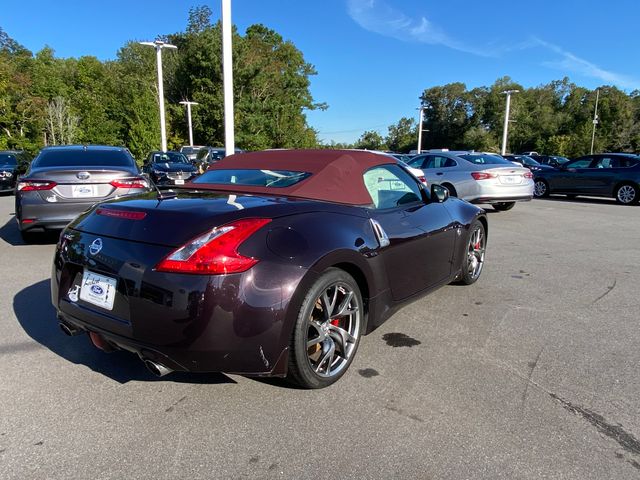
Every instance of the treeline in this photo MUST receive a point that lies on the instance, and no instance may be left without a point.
(556, 118)
(50, 100)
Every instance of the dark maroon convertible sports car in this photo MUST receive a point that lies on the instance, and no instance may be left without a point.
(270, 263)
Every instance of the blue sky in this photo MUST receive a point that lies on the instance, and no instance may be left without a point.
(375, 57)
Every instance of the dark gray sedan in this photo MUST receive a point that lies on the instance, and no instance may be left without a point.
(67, 180)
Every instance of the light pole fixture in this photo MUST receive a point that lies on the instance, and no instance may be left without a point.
(420, 130)
(188, 104)
(506, 120)
(227, 78)
(159, 45)
(595, 120)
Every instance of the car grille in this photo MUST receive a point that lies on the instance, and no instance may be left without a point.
(178, 175)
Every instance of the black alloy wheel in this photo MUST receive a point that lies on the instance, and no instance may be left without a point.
(327, 332)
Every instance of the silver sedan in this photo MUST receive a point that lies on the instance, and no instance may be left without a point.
(477, 177)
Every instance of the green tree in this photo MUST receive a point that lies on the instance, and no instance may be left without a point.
(402, 136)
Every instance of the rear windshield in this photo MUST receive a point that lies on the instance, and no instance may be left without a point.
(83, 158)
(173, 157)
(485, 159)
(253, 178)
(8, 159)
(189, 150)
(526, 160)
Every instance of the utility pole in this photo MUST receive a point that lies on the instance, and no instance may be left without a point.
(188, 104)
(595, 120)
(505, 131)
(159, 45)
(227, 76)
(420, 129)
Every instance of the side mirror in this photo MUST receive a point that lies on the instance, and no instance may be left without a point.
(439, 193)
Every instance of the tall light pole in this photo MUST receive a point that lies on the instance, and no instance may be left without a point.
(227, 76)
(420, 129)
(595, 120)
(188, 104)
(506, 120)
(159, 45)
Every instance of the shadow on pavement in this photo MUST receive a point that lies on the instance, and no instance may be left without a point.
(36, 315)
(9, 233)
(565, 199)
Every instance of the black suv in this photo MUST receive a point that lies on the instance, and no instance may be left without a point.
(614, 175)
(12, 164)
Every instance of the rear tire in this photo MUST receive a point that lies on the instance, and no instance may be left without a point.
(503, 206)
(541, 189)
(327, 332)
(627, 194)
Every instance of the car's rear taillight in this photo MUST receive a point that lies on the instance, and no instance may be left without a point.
(215, 252)
(31, 185)
(137, 182)
(423, 179)
(124, 214)
(483, 175)
(527, 175)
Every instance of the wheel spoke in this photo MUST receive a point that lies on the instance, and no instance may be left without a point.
(342, 337)
(327, 356)
(343, 310)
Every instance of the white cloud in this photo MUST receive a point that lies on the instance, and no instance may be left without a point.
(378, 17)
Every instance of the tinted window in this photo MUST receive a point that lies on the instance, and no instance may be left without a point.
(254, 178)
(560, 160)
(189, 150)
(83, 158)
(437, 161)
(485, 159)
(580, 163)
(173, 157)
(525, 160)
(390, 187)
(418, 162)
(8, 159)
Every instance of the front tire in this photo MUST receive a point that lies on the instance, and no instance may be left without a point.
(541, 189)
(473, 261)
(504, 206)
(327, 332)
(627, 194)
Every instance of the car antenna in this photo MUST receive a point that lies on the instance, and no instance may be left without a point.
(163, 195)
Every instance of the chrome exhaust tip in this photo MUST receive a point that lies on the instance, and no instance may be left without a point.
(69, 330)
(157, 369)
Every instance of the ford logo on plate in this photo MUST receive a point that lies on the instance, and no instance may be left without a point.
(95, 246)
(97, 289)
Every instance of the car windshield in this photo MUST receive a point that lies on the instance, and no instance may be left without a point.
(560, 160)
(254, 178)
(8, 159)
(485, 159)
(189, 150)
(169, 157)
(83, 158)
(526, 160)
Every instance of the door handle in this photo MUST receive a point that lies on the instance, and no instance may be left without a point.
(440, 173)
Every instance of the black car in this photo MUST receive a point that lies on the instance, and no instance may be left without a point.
(551, 160)
(64, 181)
(527, 162)
(270, 263)
(12, 164)
(208, 155)
(614, 175)
(169, 168)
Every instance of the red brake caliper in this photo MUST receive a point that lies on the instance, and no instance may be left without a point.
(335, 322)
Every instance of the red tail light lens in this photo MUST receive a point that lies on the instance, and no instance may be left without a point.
(483, 175)
(423, 179)
(215, 252)
(527, 175)
(124, 214)
(32, 185)
(130, 183)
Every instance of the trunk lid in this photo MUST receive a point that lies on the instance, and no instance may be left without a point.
(173, 222)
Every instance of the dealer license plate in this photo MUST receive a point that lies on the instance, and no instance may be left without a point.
(510, 179)
(81, 191)
(98, 290)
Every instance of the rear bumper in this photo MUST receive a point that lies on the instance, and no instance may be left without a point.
(239, 323)
(41, 215)
(494, 199)
(496, 193)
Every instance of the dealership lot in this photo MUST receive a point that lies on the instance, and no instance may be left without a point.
(530, 373)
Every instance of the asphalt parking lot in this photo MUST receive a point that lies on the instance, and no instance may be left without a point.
(530, 373)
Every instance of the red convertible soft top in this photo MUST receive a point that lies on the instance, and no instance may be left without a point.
(336, 175)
